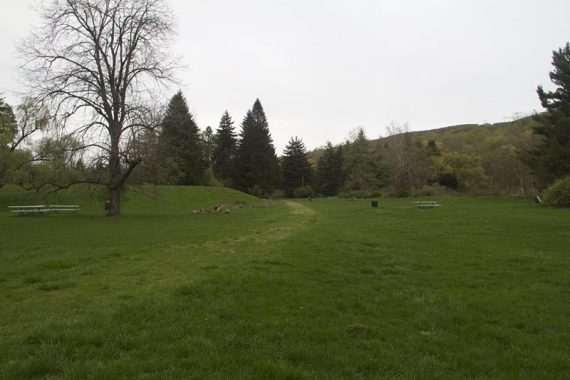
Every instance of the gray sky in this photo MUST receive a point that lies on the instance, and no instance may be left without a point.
(322, 68)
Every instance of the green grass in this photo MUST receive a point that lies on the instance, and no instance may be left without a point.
(478, 288)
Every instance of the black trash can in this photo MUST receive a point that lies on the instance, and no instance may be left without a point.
(375, 203)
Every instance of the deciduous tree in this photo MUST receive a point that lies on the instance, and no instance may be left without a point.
(97, 62)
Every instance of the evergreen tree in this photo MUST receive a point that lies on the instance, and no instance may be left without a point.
(330, 174)
(361, 164)
(256, 169)
(180, 146)
(295, 167)
(225, 148)
(551, 160)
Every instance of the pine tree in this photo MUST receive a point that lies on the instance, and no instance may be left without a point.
(551, 160)
(256, 169)
(180, 146)
(330, 174)
(225, 148)
(296, 169)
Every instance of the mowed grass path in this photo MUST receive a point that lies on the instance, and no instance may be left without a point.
(479, 288)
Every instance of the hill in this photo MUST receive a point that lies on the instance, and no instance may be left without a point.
(139, 200)
(520, 130)
(478, 158)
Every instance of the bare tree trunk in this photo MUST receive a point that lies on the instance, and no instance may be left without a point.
(115, 198)
(115, 181)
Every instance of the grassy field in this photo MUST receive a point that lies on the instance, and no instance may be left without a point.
(479, 288)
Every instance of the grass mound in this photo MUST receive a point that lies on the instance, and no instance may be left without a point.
(143, 200)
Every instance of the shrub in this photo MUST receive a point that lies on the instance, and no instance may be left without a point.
(361, 194)
(431, 190)
(303, 192)
(558, 194)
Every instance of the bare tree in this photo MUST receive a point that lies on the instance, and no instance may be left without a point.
(98, 64)
(399, 148)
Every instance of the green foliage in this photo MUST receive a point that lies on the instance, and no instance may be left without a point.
(209, 178)
(362, 164)
(330, 173)
(256, 167)
(225, 148)
(558, 194)
(551, 159)
(303, 192)
(295, 167)
(181, 148)
(7, 133)
(461, 171)
(7, 124)
(15, 133)
(208, 146)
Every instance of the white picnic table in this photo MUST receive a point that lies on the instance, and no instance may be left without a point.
(43, 209)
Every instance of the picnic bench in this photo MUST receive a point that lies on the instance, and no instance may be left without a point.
(43, 209)
(426, 204)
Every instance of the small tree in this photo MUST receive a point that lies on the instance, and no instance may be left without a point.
(551, 160)
(15, 130)
(399, 153)
(96, 62)
(295, 167)
(209, 144)
(361, 164)
(330, 174)
(225, 148)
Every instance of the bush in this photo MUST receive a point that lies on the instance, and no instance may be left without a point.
(431, 190)
(558, 194)
(360, 194)
(303, 192)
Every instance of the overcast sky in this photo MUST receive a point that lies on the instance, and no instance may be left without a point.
(322, 68)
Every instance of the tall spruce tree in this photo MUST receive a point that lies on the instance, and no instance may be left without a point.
(295, 167)
(225, 148)
(551, 160)
(330, 174)
(257, 168)
(180, 145)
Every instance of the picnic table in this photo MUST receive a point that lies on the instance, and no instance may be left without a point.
(43, 209)
(426, 204)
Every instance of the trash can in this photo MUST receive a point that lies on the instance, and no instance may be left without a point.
(375, 203)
